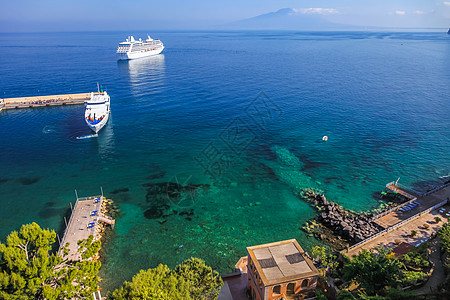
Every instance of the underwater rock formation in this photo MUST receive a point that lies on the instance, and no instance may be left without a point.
(28, 180)
(162, 195)
(120, 191)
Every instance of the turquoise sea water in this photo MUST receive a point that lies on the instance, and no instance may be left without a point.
(241, 113)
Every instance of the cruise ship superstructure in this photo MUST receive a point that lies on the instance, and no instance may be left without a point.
(131, 48)
(97, 110)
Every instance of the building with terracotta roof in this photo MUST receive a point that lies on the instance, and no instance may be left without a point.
(280, 270)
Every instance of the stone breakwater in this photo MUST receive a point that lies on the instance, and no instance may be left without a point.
(40, 101)
(347, 227)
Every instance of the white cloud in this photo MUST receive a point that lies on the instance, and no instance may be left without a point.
(446, 3)
(400, 12)
(419, 12)
(316, 10)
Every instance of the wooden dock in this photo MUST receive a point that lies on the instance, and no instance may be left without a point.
(87, 213)
(42, 101)
(395, 188)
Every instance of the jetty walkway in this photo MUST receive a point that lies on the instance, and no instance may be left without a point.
(85, 220)
(399, 221)
(41, 101)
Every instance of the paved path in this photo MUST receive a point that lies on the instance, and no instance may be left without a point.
(438, 275)
(403, 233)
(78, 225)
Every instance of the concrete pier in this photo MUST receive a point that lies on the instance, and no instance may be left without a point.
(399, 221)
(41, 101)
(87, 213)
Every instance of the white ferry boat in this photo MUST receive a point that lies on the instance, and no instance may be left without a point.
(97, 110)
(131, 48)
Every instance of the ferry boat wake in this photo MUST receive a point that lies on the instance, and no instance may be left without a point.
(87, 136)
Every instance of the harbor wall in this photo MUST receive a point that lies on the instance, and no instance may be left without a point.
(40, 101)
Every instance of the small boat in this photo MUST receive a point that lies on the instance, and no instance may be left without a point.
(97, 110)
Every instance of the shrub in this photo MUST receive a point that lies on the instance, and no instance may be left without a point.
(413, 233)
(412, 277)
(437, 219)
(417, 258)
(320, 296)
(445, 237)
(374, 271)
(345, 295)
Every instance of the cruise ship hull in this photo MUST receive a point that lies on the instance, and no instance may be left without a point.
(135, 55)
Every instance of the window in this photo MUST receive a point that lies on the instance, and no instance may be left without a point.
(290, 290)
(277, 289)
(305, 284)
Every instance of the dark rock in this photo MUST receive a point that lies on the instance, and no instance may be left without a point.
(28, 180)
(158, 175)
(345, 224)
(120, 191)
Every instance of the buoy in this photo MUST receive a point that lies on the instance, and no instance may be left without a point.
(325, 138)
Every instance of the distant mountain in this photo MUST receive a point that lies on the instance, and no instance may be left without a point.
(290, 19)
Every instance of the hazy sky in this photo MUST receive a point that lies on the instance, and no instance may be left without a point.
(70, 15)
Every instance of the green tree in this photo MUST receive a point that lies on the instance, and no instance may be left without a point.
(29, 270)
(345, 295)
(412, 277)
(159, 283)
(374, 271)
(326, 259)
(320, 296)
(445, 236)
(204, 283)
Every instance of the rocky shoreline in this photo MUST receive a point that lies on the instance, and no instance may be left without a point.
(335, 225)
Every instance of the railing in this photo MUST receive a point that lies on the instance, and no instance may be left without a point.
(397, 225)
(71, 216)
(419, 214)
(436, 189)
(393, 209)
(366, 240)
(408, 189)
(67, 227)
(390, 183)
(402, 191)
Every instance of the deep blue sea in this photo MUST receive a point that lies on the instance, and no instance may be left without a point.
(242, 114)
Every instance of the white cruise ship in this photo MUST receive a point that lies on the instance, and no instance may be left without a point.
(131, 48)
(97, 111)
